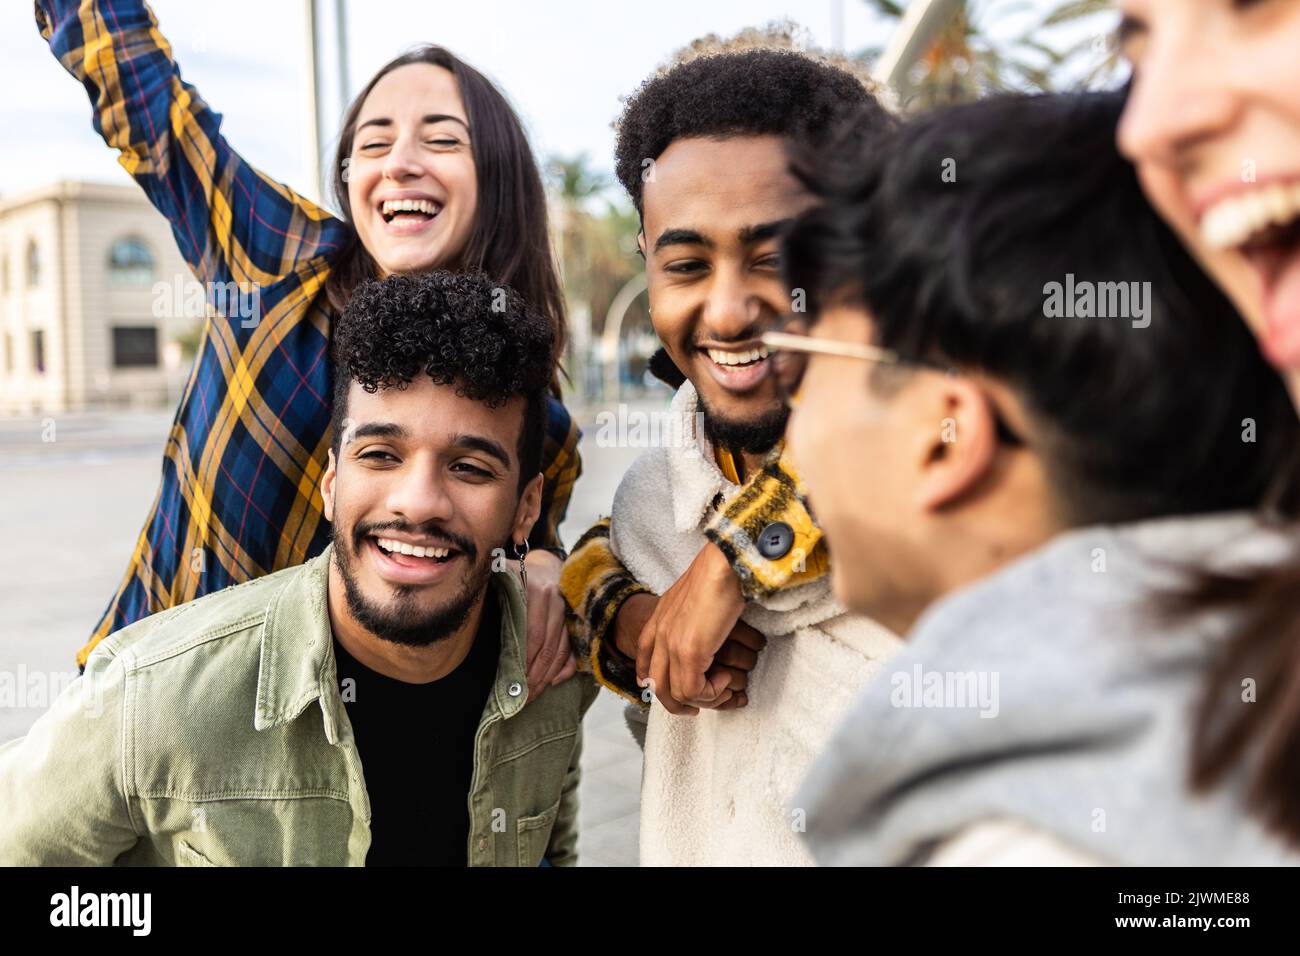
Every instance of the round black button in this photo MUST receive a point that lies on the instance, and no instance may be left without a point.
(776, 540)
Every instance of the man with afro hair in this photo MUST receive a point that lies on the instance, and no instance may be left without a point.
(707, 587)
(366, 707)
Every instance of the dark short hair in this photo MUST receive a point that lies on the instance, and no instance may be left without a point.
(459, 329)
(949, 231)
(751, 92)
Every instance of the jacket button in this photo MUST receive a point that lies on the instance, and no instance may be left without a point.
(515, 689)
(776, 540)
(482, 843)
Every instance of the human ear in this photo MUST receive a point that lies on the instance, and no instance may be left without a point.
(327, 486)
(960, 452)
(528, 510)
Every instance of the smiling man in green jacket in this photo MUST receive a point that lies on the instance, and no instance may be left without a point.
(366, 707)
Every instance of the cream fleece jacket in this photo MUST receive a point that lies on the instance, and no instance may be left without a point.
(717, 788)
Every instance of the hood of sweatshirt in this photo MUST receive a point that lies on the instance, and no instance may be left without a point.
(1051, 693)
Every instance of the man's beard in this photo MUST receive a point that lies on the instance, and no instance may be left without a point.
(400, 621)
(754, 437)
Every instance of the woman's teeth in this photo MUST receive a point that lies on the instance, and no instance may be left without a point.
(737, 358)
(415, 550)
(1231, 223)
(391, 207)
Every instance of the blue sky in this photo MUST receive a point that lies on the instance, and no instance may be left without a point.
(563, 63)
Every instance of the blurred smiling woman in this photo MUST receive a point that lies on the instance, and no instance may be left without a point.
(1212, 124)
(433, 171)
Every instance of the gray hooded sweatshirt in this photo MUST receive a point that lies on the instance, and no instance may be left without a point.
(1047, 693)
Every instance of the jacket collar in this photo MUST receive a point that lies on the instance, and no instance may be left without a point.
(694, 477)
(297, 667)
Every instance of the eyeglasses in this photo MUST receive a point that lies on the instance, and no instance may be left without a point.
(789, 346)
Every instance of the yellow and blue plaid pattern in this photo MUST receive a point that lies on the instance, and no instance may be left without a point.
(595, 584)
(239, 496)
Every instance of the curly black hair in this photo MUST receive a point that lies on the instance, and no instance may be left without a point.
(751, 92)
(457, 328)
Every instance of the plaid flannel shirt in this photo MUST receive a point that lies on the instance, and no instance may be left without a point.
(595, 584)
(239, 496)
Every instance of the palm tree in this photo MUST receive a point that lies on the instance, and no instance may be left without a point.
(1098, 54)
(595, 236)
(595, 240)
(574, 179)
(965, 61)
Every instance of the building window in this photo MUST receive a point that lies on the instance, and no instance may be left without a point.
(38, 351)
(33, 264)
(135, 346)
(130, 262)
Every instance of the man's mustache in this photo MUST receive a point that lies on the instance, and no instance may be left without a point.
(748, 334)
(432, 530)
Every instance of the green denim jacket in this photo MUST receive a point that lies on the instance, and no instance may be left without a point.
(191, 740)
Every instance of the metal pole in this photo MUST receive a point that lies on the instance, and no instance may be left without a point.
(341, 34)
(921, 21)
(313, 101)
(613, 326)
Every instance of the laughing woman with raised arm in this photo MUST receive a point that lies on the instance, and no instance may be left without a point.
(433, 171)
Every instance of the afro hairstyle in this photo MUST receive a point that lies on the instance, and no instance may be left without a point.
(459, 329)
(747, 92)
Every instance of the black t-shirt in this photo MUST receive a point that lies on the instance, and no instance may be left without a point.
(416, 743)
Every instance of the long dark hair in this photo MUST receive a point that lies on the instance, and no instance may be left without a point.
(1257, 730)
(510, 241)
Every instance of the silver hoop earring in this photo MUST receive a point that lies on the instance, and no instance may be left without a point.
(521, 552)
